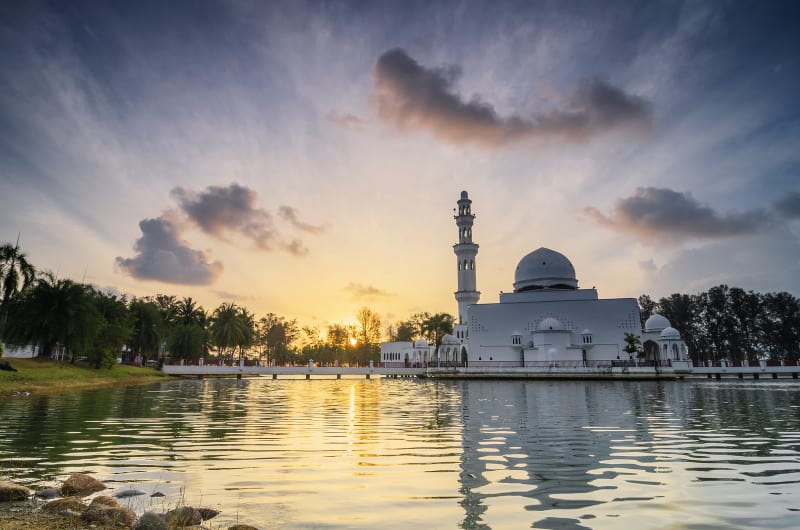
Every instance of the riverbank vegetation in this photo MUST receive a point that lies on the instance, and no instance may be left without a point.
(75, 322)
(46, 375)
(731, 323)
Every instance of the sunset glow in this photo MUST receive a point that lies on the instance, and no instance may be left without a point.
(304, 158)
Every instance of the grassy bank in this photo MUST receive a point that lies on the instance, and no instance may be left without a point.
(43, 375)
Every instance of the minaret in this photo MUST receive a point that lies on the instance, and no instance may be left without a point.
(465, 251)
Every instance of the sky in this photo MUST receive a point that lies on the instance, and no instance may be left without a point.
(304, 158)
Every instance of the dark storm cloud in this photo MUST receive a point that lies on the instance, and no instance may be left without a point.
(664, 214)
(220, 211)
(788, 206)
(290, 214)
(412, 97)
(161, 254)
(359, 291)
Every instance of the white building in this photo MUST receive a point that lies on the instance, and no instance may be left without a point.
(546, 320)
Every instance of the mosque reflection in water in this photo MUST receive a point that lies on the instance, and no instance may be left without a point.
(547, 449)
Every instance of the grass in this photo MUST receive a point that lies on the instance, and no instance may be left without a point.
(39, 376)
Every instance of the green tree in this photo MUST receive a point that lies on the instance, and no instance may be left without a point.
(114, 330)
(16, 275)
(434, 327)
(275, 336)
(647, 306)
(228, 328)
(149, 328)
(187, 341)
(779, 323)
(633, 345)
(56, 313)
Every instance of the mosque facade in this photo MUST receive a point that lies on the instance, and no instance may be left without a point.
(547, 320)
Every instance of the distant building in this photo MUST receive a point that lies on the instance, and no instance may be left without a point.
(546, 319)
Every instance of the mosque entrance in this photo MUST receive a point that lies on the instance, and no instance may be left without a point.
(464, 359)
(650, 350)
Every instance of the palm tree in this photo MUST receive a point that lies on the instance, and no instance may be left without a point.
(228, 328)
(56, 312)
(16, 275)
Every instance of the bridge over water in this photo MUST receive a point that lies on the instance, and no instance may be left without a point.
(495, 371)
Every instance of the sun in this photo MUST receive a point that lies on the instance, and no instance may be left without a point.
(353, 341)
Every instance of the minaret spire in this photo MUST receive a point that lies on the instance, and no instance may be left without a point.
(465, 251)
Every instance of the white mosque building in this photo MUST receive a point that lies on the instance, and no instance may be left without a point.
(546, 321)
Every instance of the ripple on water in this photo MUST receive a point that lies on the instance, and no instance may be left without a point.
(399, 453)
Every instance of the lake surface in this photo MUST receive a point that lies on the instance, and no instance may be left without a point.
(386, 453)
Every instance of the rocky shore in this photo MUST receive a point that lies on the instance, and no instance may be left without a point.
(70, 507)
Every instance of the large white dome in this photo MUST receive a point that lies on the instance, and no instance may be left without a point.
(544, 269)
(656, 322)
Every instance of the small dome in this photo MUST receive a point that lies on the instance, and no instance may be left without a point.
(586, 332)
(464, 195)
(421, 343)
(670, 333)
(550, 324)
(656, 322)
(449, 339)
(544, 269)
(516, 333)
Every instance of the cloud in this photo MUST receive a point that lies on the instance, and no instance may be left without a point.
(663, 214)
(346, 120)
(412, 97)
(359, 291)
(220, 211)
(162, 255)
(788, 206)
(290, 214)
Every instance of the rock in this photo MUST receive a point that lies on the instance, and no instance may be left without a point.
(104, 514)
(47, 494)
(5, 365)
(102, 500)
(67, 503)
(183, 516)
(158, 494)
(151, 521)
(13, 492)
(124, 494)
(207, 513)
(69, 513)
(81, 484)
(242, 527)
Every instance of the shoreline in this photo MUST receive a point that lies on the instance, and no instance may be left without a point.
(46, 376)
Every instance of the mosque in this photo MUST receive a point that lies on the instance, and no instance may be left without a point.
(546, 321)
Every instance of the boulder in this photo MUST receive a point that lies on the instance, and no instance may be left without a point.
(13, 492)
(151, 521)
(81, 484)
(124, 494)
(183, 516)
(242, 527)
(104, 514)
(48, 493)
(105, 501)
(158, 494)
(207, 513)
(74, 504)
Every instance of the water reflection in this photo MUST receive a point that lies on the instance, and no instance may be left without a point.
(431, 454)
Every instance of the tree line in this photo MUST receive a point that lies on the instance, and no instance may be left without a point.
(75, 321)
(731, 323)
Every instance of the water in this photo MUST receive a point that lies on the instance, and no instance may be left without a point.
(428, 454)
